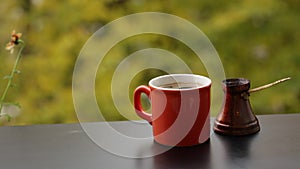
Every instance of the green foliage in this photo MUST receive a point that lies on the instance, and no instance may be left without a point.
(255, 39)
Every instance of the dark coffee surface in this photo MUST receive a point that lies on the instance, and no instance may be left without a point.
(179, 85)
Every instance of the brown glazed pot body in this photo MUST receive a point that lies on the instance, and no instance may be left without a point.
(236, 117)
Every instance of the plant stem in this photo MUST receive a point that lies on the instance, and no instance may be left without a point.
(11, 76)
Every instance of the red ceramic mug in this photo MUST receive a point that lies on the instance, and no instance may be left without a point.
(180, 106)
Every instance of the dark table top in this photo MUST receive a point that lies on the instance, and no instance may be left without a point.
(67, 146)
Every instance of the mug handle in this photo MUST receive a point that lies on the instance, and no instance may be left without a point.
(137, 102)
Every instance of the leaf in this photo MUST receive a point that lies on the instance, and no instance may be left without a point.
(17, 71)
(8, 117)
(7, 77)
(12, 85)
(16, 104)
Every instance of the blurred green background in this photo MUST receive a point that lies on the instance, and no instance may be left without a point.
(255, 39)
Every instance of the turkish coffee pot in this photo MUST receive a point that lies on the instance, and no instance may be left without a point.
(236, 117)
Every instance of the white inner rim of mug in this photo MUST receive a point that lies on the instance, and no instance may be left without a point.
(175, 82)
